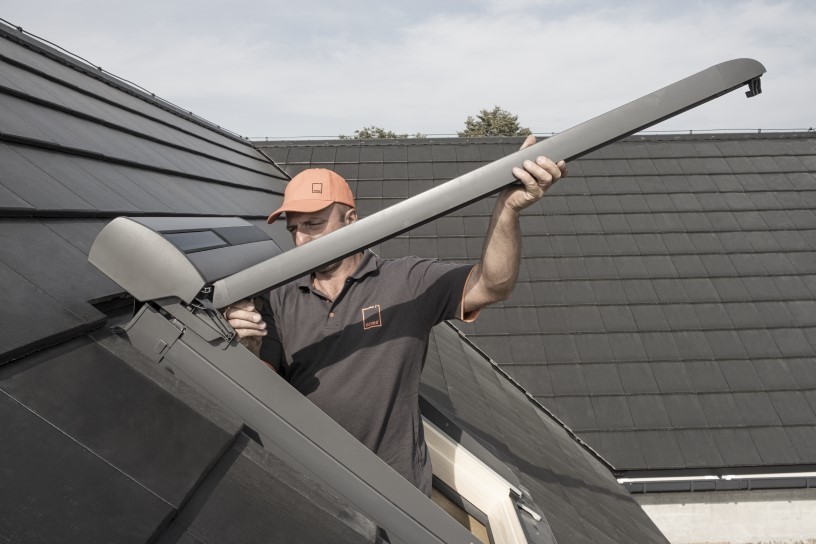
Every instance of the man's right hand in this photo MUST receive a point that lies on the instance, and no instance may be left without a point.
(248, 325)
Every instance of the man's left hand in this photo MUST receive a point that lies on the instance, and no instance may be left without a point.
(536, 177)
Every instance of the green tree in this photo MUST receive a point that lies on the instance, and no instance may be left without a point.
(374, 132)
(496, 122)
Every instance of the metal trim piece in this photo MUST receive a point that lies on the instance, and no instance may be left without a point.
(457, 193)
(284, 418)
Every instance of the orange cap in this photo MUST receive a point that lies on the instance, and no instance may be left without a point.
(312, 190)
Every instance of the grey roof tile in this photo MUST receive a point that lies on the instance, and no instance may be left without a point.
(803, 439)
(692, 345)
(726, 344)
(637, 378)
(639, 291)
(774, 446)
(671, 378)
(740, 375)
(737, 447)
(670, 290)
(744, 315)
(560, 349)
(775, 314)
(698, 448)
(734, 242)
(792, 408)
(700, 290)
(684, 411)
(707, 377)
(578, 292)
(648, 412)
(720, 410)
(617, 318)
(681, 317)
(660, 449)
(609, 292)
(593, 347)
(731, 289)
(774, 374)
(603, 379)
(612, 412)
(528, 349)
(756, 409)
(649, 317)
(568, 379)
(627, 347)
(577, 412)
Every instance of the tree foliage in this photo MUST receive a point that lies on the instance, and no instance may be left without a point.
(495, 122)
(374, 132)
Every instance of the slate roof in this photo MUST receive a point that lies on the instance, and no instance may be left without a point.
(100, 444)
(665, 309)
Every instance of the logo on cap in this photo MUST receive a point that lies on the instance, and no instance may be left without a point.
(317, 188)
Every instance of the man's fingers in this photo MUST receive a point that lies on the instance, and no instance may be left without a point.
(543, 172)
(240, 323)
(242, 315)
(241, 305)
(524, 177)
(249, 333)
(248, 328)
(552, 169)
(246, 321)
(530, 140)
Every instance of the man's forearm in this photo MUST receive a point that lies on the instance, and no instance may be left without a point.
(495, 276)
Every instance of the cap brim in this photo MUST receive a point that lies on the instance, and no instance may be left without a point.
(303, 206)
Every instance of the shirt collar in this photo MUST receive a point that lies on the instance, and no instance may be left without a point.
(369, 264)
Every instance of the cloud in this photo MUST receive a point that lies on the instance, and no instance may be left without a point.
(279, 69)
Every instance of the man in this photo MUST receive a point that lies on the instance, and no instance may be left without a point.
(353, 336)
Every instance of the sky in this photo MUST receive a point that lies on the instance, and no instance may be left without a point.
(269, 68)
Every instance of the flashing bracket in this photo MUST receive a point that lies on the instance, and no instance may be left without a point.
(535, 515)
(754, 87)
(209, 314)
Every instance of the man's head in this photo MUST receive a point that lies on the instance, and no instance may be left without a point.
(312, 191)
(307, 226)
(316, 201)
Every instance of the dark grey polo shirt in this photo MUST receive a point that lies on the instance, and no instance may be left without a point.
(359, 357)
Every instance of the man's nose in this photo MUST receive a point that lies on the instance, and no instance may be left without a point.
(301, 238)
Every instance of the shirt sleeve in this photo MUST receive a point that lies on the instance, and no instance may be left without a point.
(440, 287)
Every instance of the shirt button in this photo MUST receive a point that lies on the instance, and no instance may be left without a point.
(331, 314)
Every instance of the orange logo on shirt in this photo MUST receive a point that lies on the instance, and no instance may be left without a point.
(372, 317)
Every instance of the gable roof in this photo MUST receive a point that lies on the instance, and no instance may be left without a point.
(665, 308)
(105, 445)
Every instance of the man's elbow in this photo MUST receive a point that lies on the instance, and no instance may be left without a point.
(486, 295)
(500, 293)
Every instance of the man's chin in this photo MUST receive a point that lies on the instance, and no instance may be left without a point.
(329, 268)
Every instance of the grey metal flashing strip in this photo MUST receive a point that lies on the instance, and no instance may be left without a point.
(50, 341)
(571, 144)
(285, 419)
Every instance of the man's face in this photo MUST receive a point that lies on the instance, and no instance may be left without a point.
(305, 227)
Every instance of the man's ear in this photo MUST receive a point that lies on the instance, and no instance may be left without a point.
(350, 216)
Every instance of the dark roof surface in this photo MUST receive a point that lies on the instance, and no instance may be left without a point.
(565, 488)
(665, 309)
(100, 444)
